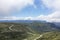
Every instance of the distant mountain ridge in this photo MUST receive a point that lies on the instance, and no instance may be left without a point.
(37, 25)
(21, 21)
(26, 28)
(57, 23)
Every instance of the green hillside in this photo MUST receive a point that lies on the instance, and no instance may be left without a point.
(16, 31)
(28, 31)
(50, 36)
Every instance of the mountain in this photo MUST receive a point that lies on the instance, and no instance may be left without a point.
(25, 29)
(36, 25)
(57, 23)
(44, 27)
(21, 21)
(15, 32)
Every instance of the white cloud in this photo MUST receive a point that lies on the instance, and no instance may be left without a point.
(55, 15)
(55, 4)
(7, 5)
(16, 18)
(28, 18)
(9, 18)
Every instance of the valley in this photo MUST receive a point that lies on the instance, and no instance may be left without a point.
(29, 31)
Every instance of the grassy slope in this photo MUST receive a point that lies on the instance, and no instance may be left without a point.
(50, 36)
(23, 32)
(27, 31)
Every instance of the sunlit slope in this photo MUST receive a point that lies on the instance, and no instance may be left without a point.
(50, 36)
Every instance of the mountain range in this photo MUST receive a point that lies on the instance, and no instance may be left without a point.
(26, 29)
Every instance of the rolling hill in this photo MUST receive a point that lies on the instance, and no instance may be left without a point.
(26, 31)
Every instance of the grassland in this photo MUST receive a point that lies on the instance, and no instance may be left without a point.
(29, 31)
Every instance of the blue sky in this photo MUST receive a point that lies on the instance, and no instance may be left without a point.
(31, 11)
(48, 10)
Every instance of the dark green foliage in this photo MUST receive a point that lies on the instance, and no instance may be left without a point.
(7, 34)
(12, 35)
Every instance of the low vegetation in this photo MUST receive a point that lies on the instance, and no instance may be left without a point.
(29, 31)
(50, 36)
